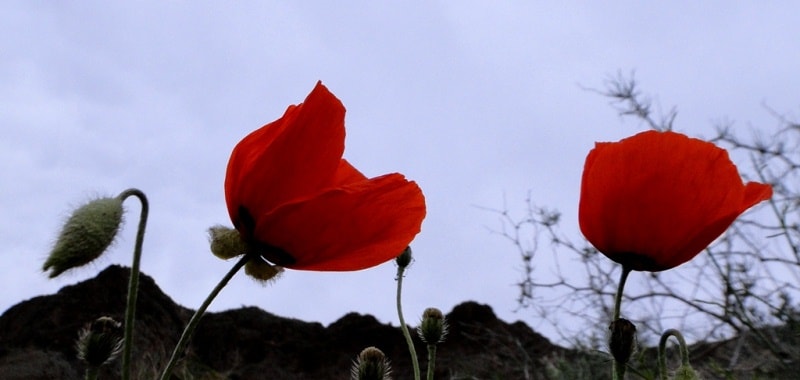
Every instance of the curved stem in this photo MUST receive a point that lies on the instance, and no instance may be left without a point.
(662, 351)
(133, 281)
(411, 350)
(189, 330)
(618, 369)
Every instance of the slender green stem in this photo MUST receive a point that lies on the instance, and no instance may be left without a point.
(133, 281)
(91, 373)
(662, 351)
(431, 360)
(618, 369)
(190, 327)
(618, 297)
(411, 350)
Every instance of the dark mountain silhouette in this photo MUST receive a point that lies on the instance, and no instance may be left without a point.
(37, 341)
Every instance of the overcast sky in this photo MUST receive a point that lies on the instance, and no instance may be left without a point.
(476, 101)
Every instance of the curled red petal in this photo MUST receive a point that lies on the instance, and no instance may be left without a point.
(293, 157)
(354, 227)
(655, 200)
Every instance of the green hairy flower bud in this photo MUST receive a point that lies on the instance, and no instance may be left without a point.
(86, 235)
(226, 243)
(371, 364)
(261, 270)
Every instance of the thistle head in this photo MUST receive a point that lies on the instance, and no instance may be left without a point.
(433, 328)
(371, 364)
(100, 342)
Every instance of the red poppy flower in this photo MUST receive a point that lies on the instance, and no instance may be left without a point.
(655, 200)
(295, 200)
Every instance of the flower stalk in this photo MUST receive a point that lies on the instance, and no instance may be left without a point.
(431, 360)
(618, 297)
(195, 320)
(133, 282)
(662, 352)
(622, 332)
(402, 263)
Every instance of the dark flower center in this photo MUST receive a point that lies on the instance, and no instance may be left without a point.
(269, 252)
(636, 261)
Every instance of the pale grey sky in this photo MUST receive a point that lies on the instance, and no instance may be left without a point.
(476, 101)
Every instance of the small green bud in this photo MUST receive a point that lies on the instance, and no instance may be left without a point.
(371, 364)
(623, 340)
(404, 259)
(262, 271)
(100, 342)
(433, 328)
(226, 243)
(86, 235)
(686, 372)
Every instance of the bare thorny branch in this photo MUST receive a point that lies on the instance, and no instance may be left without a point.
(745, 283)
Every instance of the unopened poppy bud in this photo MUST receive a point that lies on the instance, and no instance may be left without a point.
(100, 342)
(226, 243)
(623, 339)
(433, 328)
(261, 270)
(86, 235)
(371, 364)
(404, 259)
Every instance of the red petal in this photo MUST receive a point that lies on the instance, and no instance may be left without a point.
(293, 157)
(659, 198)
(346, 174)
(355, 227)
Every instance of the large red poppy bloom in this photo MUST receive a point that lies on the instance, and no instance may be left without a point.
(655, 200)
(300, 205)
